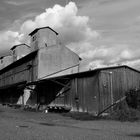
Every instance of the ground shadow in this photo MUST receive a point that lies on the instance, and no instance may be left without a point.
(134, 135)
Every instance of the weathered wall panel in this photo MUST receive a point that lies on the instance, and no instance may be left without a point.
(88, 93)
(105, 98)
(115, 83)
(6, 60)
(82, 96)
(133, 79)
(55, 61)
(34, 42)
(43, 38)
(18, 74)
(20, 51)
(47, 38)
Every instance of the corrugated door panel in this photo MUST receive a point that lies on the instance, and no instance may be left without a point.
(87, 94)
(79, 96)
(105, 90)
(91, 91)
(72, 96)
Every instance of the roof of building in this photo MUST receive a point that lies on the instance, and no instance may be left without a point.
(84, 73)
(34, 31)
(105, 68)
(19, 45)
(1, 57)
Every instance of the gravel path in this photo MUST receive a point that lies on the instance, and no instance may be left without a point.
(16, 124)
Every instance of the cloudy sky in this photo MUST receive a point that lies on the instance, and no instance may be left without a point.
(102, 32)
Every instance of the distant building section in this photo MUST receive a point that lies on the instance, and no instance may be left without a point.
(19, 51)
(1, 62)
(54, 59)
(46, 74)
(44, 58)
(5, 61)
(43, 37)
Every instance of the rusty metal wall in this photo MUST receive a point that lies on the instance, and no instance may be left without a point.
(132, 79)
(19, 73)
(43, 38)
(82, 96)
(88, 93)
(46, 38)
(114, 83)
(93, 93)
(20, 51)
(105, 90)
(56, 61)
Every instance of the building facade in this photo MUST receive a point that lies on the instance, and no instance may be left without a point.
(47, 74)
(90, 91)
(45, 58)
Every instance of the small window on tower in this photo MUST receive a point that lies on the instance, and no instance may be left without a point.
(1, 60)
(13, 51)
(34, 38)
(46, 44)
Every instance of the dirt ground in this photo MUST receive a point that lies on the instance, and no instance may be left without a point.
(16, 124)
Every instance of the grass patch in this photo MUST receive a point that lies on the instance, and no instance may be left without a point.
(124, 113)
(121, 113)
(81, 116)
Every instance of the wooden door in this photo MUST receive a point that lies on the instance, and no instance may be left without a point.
(106, 95)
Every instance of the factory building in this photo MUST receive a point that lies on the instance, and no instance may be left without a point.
(89, 91)
(46, 57)
(46, 74)
(19, 51)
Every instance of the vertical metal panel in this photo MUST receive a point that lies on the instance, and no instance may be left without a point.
(133, 79)
(20, 51)
(52, 64)
(88, 93)
(34, 42)
(105, 94)
(46, 38)
(82, 96)
(7, 60)
(123, 79)
(18, 74)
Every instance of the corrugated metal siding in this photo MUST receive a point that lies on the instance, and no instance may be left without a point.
(123, 79)
(50, 62)
(87, 92)
(20, 51)
(34, 69)
(46, 38)
(132, 79)
(105, 90)
(17, 74)
(82, 96)
(47, 92)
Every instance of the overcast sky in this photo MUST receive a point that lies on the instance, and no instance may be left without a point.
(102, 32)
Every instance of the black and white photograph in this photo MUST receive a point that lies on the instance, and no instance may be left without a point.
(69, 69)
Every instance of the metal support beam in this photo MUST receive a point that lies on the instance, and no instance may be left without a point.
(59, 83)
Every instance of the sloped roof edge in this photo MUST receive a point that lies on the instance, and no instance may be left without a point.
(34, 31)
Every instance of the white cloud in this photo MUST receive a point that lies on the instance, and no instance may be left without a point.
(7, 40)
(126, 55)
(72, 28)
(17, 3)
(75, 32)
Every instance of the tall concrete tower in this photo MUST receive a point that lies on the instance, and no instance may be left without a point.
(53, 59)
(43, 37)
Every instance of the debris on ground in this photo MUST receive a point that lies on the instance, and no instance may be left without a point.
(124, 113)
(81, 116)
